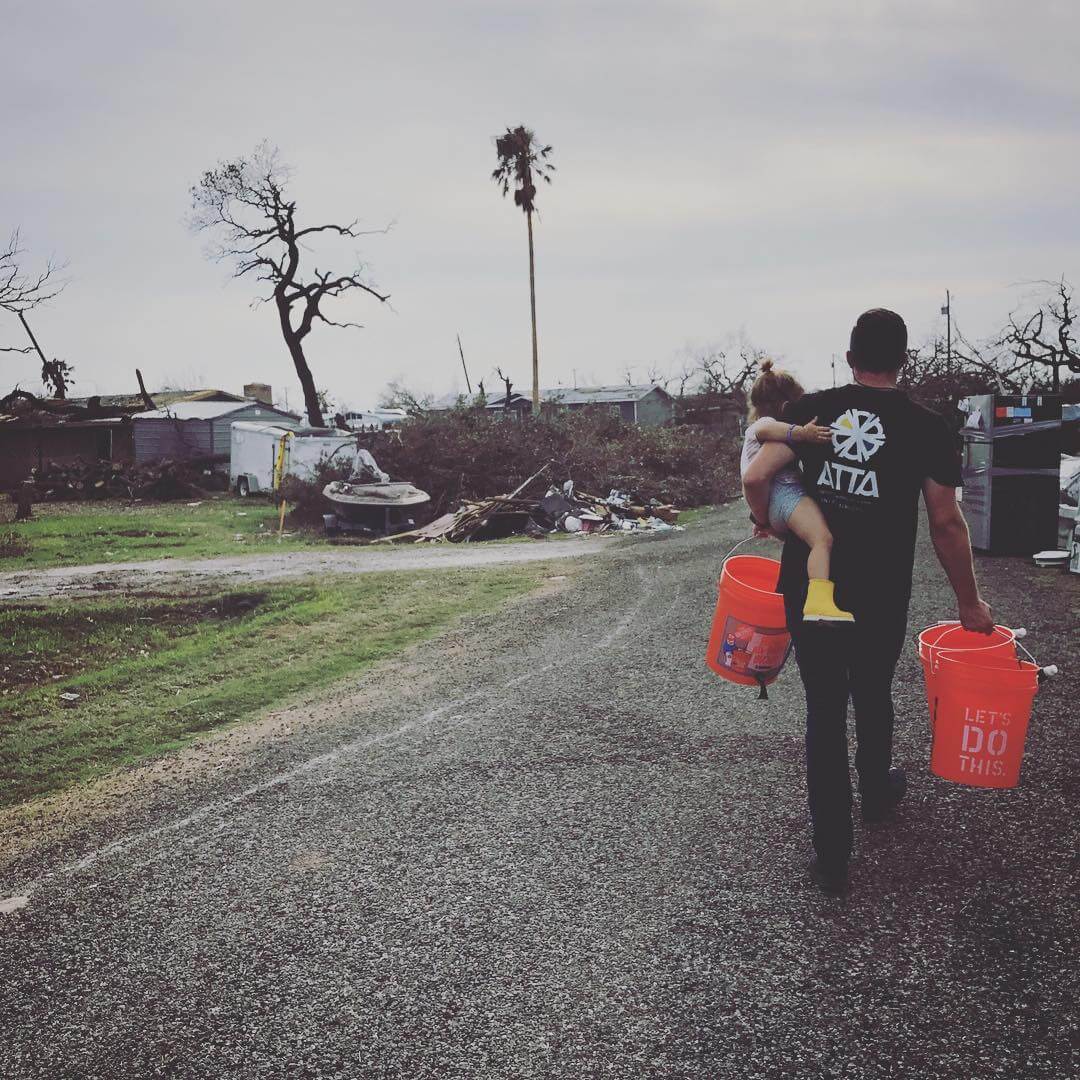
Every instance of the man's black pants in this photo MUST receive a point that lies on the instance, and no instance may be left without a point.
(838, 662)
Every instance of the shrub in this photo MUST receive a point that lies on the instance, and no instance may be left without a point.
(305, 497)
(467, 454)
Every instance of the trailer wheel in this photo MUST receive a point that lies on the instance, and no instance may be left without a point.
(242, 488)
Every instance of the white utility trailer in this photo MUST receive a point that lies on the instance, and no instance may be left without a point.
(264, 454)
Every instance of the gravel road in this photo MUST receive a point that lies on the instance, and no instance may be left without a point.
(551, 844)
(132, 576)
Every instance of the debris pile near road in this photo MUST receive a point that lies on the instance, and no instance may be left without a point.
(620, 511)
(560, 510)
(79, 479)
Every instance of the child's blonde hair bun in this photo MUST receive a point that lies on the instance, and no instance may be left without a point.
(772, 391)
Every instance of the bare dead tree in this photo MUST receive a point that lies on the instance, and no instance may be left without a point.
(244, 206)
(22, 292)
(656, 375)
(684, 373)
(397, 395)
(1045, 339)
(509, 386)
(939, 380)
(725, 374)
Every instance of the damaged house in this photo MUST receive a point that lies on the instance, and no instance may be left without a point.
(199, 428)
(36, 432)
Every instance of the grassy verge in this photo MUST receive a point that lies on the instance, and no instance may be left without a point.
(74, 534)
(151, 674)
(77, 534)
(695, 515)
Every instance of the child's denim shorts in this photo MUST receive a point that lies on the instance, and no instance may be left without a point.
(786, 492)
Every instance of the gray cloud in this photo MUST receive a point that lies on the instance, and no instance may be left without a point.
(773, 166)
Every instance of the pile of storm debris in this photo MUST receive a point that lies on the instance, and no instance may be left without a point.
(165, 479)
(560, 509)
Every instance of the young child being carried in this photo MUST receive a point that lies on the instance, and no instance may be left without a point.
(790, 508)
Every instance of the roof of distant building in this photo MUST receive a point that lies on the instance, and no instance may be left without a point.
(204, 410)
(161, 398)
(596, 395)
(564, 395)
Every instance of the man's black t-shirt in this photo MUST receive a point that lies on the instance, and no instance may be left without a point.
(867, 483)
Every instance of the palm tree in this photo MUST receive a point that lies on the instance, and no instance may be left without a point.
(521, 158)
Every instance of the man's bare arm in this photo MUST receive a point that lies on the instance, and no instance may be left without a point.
(757, 482)
(952, 542)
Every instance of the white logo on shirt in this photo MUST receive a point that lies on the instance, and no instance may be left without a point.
(856, 436)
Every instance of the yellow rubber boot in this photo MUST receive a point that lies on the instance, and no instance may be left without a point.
(820, 605)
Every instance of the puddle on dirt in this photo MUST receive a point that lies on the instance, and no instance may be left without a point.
(230, 605)
(13, 903)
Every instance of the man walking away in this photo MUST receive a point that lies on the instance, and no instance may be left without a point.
(885, 449)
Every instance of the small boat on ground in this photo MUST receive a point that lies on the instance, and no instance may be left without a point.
(379, 509)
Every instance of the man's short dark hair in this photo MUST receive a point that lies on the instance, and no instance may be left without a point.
(879, 341)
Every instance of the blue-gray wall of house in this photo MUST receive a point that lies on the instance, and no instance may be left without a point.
(166, 438)
(654, 409)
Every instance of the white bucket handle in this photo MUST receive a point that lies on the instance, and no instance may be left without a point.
(1047, 671)
(746, 540)
(937, 650)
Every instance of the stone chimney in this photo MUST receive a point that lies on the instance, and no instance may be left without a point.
(260, 391)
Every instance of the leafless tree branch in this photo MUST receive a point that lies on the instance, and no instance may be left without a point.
(20, 294)
(1044, 342)
(244, 209)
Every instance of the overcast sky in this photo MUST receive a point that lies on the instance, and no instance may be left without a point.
(768, 166)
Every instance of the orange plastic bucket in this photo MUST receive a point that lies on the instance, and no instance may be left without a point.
(749, 641)
(980, 706)
(952, 636)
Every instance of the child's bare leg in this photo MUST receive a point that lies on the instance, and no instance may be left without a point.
(807, 522)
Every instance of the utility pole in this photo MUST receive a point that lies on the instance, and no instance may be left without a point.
(834, 371)
(947, 312)
(463, 367)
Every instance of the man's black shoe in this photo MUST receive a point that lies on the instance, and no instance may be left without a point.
(832, 880)
(876, 810)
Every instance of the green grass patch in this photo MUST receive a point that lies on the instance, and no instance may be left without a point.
(150, 673)
(694, 515)
(74, 534)
(78, 534)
